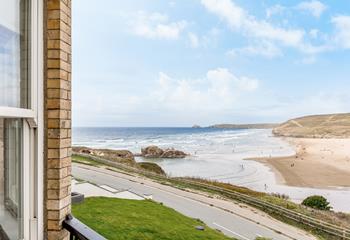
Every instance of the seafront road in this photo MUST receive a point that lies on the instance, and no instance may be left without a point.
(233, 219)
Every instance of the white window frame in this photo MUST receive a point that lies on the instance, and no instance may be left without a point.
(33, 131)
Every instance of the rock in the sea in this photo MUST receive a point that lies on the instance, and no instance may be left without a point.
(196, 126)
(173, 153)
(156, 152)
(152, 152)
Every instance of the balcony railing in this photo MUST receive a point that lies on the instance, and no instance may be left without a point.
(79, 231)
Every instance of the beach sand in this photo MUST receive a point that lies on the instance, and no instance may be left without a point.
(318, 163)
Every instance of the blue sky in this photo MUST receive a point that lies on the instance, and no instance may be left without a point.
(182, 62)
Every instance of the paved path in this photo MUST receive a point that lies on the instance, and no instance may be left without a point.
(235, 220)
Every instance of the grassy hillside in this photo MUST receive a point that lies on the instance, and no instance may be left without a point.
(119, 219)
(317, 126)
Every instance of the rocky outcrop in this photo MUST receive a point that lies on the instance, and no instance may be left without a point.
(124, 157)
(120, 156)
(152, 152)
(173, 153)
(156, 152)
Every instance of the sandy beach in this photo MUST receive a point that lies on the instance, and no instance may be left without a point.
(318, 163)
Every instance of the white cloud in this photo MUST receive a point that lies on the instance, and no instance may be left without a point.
(313, 49)
(308, 60)
(156, 26)
(277, 106)
(217, 91)
(276, 9)
(265, 49)
(271, 38)
(208, 39)
(172, 3)
(314, 33)
(316, 8)
(227, 10)
(317, 103)
(342, 36)
(194, 40)
(239, 19)
(225, 78)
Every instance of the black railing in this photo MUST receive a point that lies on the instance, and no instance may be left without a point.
(79, 231)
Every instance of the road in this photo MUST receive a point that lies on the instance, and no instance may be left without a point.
(232, 219)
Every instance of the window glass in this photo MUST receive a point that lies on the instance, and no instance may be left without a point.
(11, 192)
(14, 53)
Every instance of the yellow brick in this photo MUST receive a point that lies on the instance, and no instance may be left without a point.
(53, 83)
(58, 113)
(53, 143)
(53, 4)
(58, 235)
(53, 225)
(58, 133)
(54, 14)
(53, 24)
(59, 154)
(54, 34)
(53, 215)
(53, 54)
(53, 73)
(53, 204)
(54, 93)
(54, 44)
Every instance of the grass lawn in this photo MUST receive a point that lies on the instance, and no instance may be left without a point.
(139, 220)
(340, 219)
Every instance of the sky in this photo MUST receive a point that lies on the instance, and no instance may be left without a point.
(9, 16)
(158, 63)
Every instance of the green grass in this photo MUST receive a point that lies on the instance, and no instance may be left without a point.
(120, 219)
(340, 219)
(151, 167)
(85, 160)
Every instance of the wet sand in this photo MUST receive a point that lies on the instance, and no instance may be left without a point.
(318, 163)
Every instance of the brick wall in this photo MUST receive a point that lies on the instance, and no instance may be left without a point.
(57, 116)
(2, 166)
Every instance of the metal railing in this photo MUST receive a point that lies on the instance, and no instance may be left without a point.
(79, 231)
(328, 228)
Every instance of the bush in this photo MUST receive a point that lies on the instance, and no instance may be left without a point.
(281, 196)
(151, 167)
(317, 202)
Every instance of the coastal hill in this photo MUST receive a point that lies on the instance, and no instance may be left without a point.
(246, 126)
(316, 126)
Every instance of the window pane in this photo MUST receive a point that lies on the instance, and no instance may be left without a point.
(11, 220)
(14, 53)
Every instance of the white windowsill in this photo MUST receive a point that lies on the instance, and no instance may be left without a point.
(9, 112)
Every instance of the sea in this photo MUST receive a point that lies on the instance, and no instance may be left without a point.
(216, 154)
